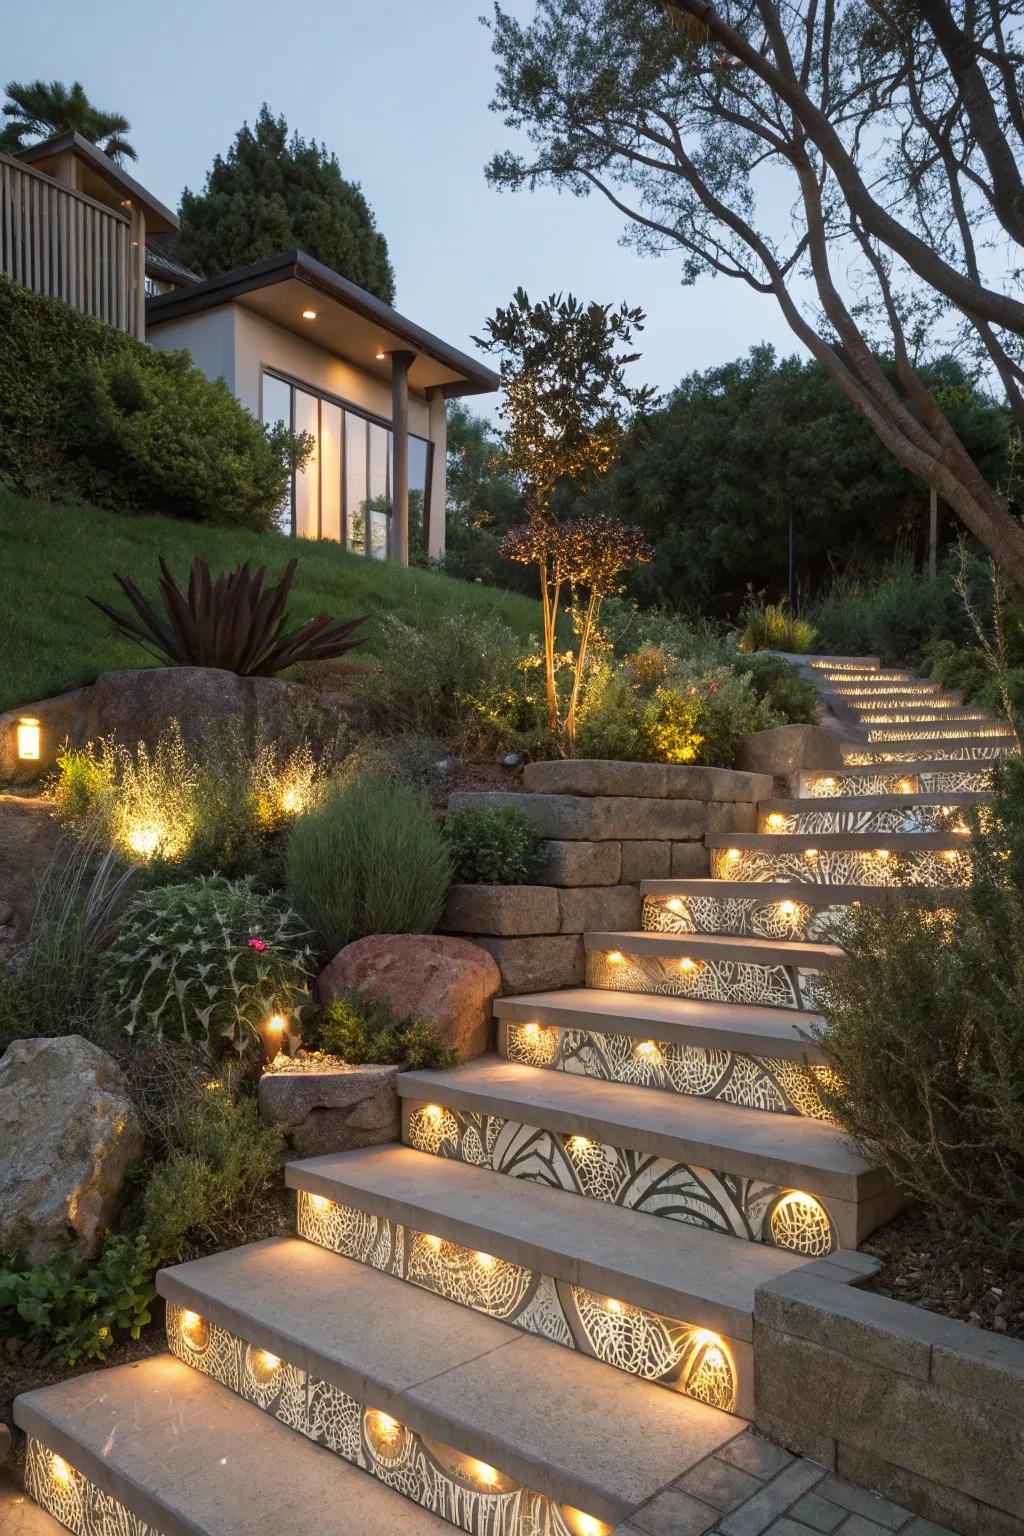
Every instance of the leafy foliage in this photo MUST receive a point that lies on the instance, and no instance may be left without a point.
(89, 413)
(369, 859)
(894, 615)
(789, 695)
(496, 845)
(206, 962)
(38, 110)
(77, 1309)
(273, 192)
(229, 623)
(358, 1031)
(925, 1024)
(771, 627)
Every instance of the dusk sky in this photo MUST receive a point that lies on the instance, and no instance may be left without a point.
(399, 90)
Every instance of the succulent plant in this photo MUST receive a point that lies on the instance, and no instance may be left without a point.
(228, 622)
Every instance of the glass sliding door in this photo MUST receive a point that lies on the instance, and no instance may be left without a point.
(355, 482)
(307, 480)
(378, 484)
(277, 410)
(330, 469)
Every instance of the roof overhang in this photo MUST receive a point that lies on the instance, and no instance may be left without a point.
(348, 321)
(99, 177)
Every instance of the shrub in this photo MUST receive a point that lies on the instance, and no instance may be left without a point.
(369, 859)
(181, 814)
(212, 1163)
(788, 694)
(229, 623)
(48, 986)
(207, 962)
(925, 1024)
(771, 627)
(91, 414)
(892, 615)
(494, 845)
(76, 1309)
(358, 1032)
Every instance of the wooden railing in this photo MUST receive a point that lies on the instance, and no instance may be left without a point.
(57, 241)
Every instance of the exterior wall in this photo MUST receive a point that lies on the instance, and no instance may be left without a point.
(438, 435)
(921, 1408)
(209, 337)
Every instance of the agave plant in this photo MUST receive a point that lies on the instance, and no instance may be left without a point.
(230, 622)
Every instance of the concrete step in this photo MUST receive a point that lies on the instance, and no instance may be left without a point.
(594, 1278)
(968, 751)
(841, 858)
(916, 777)
(774, 973)
(782, 1178)
(925, 693)
(460, 1407)
(870, 813)
(923, 714)
(762, 1058)
(763, 909)
(969, 733)
(158, 1448)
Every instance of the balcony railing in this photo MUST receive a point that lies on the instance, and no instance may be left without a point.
(56, 241)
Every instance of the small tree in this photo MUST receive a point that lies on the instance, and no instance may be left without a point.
(566, 402)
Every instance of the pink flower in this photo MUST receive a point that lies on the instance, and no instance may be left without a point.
(712, 688)
(257, 944)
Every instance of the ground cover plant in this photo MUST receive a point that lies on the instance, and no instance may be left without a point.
(358, 1031)
(771, 627)
(65, 552)
(497, 845)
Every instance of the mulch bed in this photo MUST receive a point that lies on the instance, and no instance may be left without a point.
(922, 1266)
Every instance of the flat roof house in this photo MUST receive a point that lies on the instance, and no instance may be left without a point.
(294, 341)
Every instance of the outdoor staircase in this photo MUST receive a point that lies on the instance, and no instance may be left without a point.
(536, 1313)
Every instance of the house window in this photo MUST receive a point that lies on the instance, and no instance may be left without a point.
(344, 489)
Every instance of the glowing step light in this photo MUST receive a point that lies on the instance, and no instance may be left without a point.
(28, 737)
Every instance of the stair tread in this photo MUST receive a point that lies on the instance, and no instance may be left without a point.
(770, 891)
(900, 770)
(558, 1421)
(782, 1149)
(192, 1459)
(783, 842)
(893, 802)
(755, 951)
(743, 1027)
(678, 1270)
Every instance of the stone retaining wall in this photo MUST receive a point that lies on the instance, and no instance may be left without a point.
(607, 826)
(921, 1408)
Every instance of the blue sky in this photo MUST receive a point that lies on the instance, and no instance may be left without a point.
(399, 89)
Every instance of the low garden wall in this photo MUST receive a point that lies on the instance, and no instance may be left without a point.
(922, 1408)
(607, 826)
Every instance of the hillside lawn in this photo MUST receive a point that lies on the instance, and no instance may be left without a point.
(54, 556)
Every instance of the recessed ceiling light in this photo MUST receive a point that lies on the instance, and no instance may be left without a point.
(309, 314)
(380, 354)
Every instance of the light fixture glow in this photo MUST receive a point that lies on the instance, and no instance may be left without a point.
(319, 1202)
(432, 1241)
(144, 839)
(611, 1305)
(810, 854)
(28, 736)
(309, 314)
(675, 905)
(579, 1143)
(484, 1473)
(905, 787)
(276, 1024)
(952, 854)
(380, 354)
(615, 957)
(732, 853)
(387, 1428)
(787, 908)
(828, 783)
(531, 1031)
(268, 1361)
(60, 1472)
(881, 853)
(485, 1260)
(432, 1111)
(776, 821)
(649, 1049)
(686, 964)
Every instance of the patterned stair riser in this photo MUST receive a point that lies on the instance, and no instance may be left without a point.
(944, 717)
(753, 1082)
(470, 1494)
(674, 1354)
(718, 1202)
(953, 781)
(74, 1501)
(892, 693)
(711, 981)
(952, 733)
(841, 866)
(915, 818)
(937, 751)
(743, 917)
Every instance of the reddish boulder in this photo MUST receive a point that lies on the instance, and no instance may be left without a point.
(448, 982)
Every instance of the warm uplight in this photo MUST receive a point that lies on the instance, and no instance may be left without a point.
(828, 783)
(776, 822)
(291, 802)
(276, 1024)
(615, 957)
(432, 1241)
(484, 1473)
(432, 1111)
(60, 1472)
(951, 854)
(732, 853)
(144, 840)
(387, 1428)
(28, 739)
(485, 1260)
(309, 314)
(881, 853)
(675, 905)
(195, 1331)
(268, 1361)
(905, 787)
(787, 908)
(686, 964)
(531, 1031)
(319, 1202)
(611, 1305)
(579, 1143)
(649, 1049)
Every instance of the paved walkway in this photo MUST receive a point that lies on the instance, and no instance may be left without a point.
(751, 1486)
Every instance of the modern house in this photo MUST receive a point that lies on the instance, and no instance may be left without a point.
(293, 340)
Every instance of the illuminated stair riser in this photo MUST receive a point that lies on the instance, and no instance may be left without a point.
(744, 917)
(75, 1502)
(718, 1202)
(468, 1493)
(717, 981)
(753, 1082)
(842, 866)
(878, 781)
(936, 751)
(674, 1354)
(915, 818)
(951, 733)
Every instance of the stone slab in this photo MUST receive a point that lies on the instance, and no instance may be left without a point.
(190, 1458)
(501, 909)
(689, 861)
(611, 906)
(786, 749)
(537, 964)
(597, 818)
(650, 860)
(595, 776)
(556, 1420)
(568, 863)
(333, 1109)
(732, 816)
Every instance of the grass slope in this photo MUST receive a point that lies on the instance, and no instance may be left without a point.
(53, 556)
